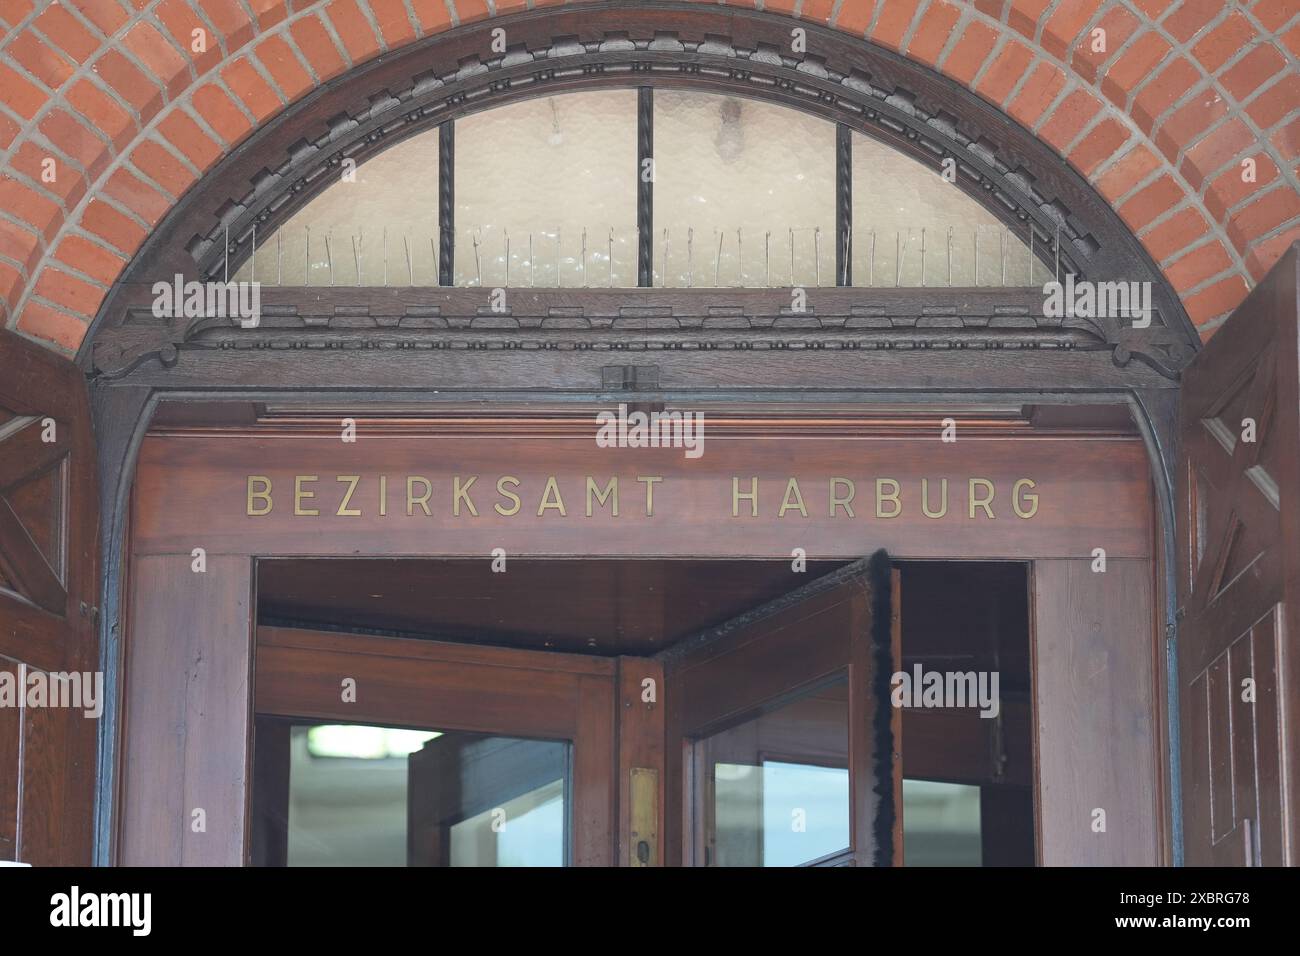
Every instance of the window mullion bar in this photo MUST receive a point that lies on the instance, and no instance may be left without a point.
(446, 203)
(645, 186)
(843, 205)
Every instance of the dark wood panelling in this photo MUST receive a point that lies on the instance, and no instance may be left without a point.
(49, 586)
(1095, 743)
(1239, 581)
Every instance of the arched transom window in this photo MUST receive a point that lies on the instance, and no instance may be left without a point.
(629, 188)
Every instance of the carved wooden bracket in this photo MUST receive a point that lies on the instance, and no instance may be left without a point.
(739, 320)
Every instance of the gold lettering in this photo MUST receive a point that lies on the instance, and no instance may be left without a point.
(551, 489)
(792, 486)
(264, 495)
(1031, 498)
(736, 496)
(459, 491)
(344, 511)
(649, 482)
(611, 488)
(423, 500)
(838, 501)
(943, 498)
(881, 498)
(507, 494)
(383, 496)
(974, 502)
(299, 495)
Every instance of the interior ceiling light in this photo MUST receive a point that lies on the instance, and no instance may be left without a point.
(365, 743)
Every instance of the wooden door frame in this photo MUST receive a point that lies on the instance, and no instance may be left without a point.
(1151, 411)
(686, 346)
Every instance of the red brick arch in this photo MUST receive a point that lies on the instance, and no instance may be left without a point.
(1160, 122)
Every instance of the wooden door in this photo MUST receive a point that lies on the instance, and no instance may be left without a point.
(49, 570)
(1239, 582)
(558, 711)
(796, 689)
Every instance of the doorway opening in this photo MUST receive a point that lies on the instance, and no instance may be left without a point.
(433, 712)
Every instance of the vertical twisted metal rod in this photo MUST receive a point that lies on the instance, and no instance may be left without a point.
(949, 244)
(817, 255)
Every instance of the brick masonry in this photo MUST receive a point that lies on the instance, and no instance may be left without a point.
(132, 112)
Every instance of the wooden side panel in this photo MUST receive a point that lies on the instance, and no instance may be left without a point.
(1235, 751)
(1239, 582)
(269, 819)
(1096, 746)
(49, 586)
(853, 628)
(595, 763)
(188, 707)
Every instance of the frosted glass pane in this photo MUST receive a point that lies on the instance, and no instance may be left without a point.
(895, 198)
(742, 188)
(365, 227)
(554, 181)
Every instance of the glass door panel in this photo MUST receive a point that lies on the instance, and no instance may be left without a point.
(777, 785)
(785, 737)
(356, 795)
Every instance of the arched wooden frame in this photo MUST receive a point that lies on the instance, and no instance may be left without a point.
(854, 345)
(840, 79)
